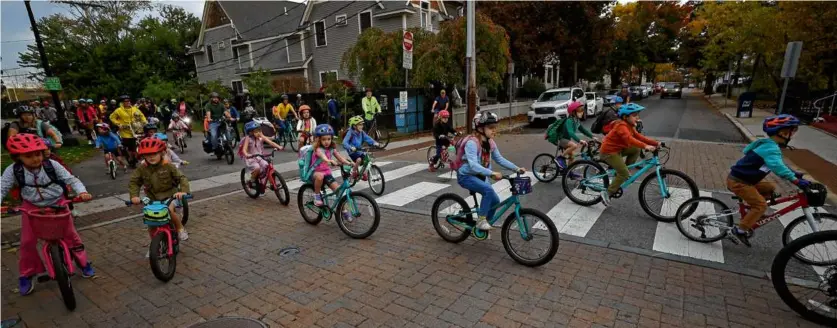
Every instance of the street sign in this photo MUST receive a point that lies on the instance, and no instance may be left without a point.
(408, 41)
(52, 83)
(402, 100)
(792, 53)
(407, 59)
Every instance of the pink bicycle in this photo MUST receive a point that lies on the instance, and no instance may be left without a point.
(51, 224)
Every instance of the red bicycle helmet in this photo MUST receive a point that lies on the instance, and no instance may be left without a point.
(22, 143)
(444, 114)
(151, 146)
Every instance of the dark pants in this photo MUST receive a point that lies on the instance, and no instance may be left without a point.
(441, 145)
(235, 130)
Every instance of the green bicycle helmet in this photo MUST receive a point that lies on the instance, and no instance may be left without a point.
(355, 120)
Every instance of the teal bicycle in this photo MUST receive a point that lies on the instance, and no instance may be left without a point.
(660, 194)
(357, 216)
(454, 220)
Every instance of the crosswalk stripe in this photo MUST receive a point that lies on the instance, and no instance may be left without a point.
(573, 219)
(296, 183)
(668, 238)
(409, 194)
(397, 174)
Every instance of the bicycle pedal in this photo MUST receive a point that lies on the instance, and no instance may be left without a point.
(733, 239)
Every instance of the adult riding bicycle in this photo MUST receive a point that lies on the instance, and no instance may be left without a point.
(545, 165)
(367, 171)
(288, 135)
(268, 178)
(585, 180)
(357, 214)
(454, 220)
(713, 220)
(811, 291)
(165, 241)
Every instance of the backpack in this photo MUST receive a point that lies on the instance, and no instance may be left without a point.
(601, 123)
(609, 126)
(553, 131)
(48, 168)
(459, 160)
(307, 163)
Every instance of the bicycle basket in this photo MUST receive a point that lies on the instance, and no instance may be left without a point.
(521, 185)
(816, 194)
(49, 225)
(155, 215)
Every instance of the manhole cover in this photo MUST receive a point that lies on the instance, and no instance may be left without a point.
(289, 251)
(230, 322)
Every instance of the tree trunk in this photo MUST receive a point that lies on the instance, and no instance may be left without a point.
(755, 70)
(710, 79)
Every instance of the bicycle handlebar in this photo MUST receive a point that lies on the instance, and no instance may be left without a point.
(146, 200)
(62, 204)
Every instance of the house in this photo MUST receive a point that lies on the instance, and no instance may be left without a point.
(300, 44)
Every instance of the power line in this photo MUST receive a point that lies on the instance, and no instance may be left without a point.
(12, 41)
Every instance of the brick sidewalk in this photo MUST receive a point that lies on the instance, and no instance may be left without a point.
(403, 276)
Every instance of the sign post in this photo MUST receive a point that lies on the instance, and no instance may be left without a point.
(407, 60)
(792, 53)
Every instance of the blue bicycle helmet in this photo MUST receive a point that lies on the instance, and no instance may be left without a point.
(773, 124)
(250, 126)
(323, 130)
(617, 100)
(161, 136)
(629, 109)
(149, 126)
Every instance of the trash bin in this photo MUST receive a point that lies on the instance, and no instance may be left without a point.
(745, 104)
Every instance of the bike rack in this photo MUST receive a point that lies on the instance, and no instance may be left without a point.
(819, 108)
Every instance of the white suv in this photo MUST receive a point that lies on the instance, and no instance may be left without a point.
(553, 104)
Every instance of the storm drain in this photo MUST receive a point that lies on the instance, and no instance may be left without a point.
(289, 251)
(230, 322)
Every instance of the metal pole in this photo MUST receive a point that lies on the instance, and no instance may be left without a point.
(469, 59)
(833, 97)
(782, 99)
(62, 125)
(511, 91)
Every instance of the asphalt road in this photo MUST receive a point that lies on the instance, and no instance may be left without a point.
(689, 118)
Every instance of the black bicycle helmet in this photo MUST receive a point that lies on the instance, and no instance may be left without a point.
(24, 109)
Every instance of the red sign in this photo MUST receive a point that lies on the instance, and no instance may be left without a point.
(408, 41)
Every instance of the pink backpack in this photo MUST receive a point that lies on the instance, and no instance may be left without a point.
(460, 151)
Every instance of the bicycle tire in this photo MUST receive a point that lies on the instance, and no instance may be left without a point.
(291, 138)
(443, 231)
(228, 154)
(376, 217)
(158, 250)
(777, 275)
(301, 202)
(568, 192)
(552, 165)
(375, 168)
(184, 211)
(112, 168)
(684, 208)
(553, 235)
(431, 152)
(787, 236)
(182, 144)
(252, 193)
(62, 276)
(280, 188)
(643, 202)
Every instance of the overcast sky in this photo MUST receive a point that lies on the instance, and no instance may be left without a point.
(15, 32)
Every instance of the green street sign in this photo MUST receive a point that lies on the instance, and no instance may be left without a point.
(52, 84)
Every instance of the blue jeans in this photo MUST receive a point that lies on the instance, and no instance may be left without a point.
(482, 187)
(441, 145)
(213, 133)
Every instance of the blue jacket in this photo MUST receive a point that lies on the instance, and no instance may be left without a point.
(760, 158)
(471, 164)
(109, 142)
(356, 139)
(234, 112)
(332, 109)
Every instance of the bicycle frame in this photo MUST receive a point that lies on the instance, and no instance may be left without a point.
(344, 190)
(647, 164)
(501, 208)
(65, 214)
(799, 201)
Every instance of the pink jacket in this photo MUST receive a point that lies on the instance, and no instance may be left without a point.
(87, 115)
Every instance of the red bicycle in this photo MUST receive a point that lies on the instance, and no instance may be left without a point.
(711, 219)
(447, 155)
(165, 242)
(268, 178)
(51, 224)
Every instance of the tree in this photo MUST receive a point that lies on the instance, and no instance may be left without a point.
(342, 93)
(258, 83)
(161, 90)
(216, 86)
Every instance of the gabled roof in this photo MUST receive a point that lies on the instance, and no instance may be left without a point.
(255, 19)
(310, 6)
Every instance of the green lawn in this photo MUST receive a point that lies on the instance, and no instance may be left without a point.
(70, 155)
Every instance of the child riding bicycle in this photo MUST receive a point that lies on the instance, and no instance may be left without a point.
(352, 142)
(177, 125)
(478, 150)
(623, 141)
(746, 177)
(42, 183)
(441, 130)
(305, 125)
(566, 131)
(253, 145)
(323, 149)
(110, 144)
(170, 156)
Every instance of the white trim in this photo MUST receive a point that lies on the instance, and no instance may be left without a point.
(320, 74)
(219, 26)
(359, 30)
(265, 39)
(394, 12)
(380, 4)
(307, 13)
(234, 51)
(287, 50)
(233, 87)
(404, 22)
(345, 20)
(302, 43)
(250, 52)
(325, 36)
(305, 68)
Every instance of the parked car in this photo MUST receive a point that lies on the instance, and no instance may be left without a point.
(553, 103)
(691, 85)
(646, 91)
(636, 93)
(595, 104)
(672, 90)
(609, 95)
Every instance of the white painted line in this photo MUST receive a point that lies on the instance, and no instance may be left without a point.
(450, 174)
(573, 219)
(296, 183)
(412, 193)
(395, 174)
(668, 239)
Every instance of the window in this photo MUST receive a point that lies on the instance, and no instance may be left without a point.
(554, 96)
(209, 55)
(548, 74)
(425, 15)
(237, 54)
(326, 76)
(237, 87)
(365, 20)
(320, 34)
(341, 20)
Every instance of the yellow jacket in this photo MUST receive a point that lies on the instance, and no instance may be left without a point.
(123, 117)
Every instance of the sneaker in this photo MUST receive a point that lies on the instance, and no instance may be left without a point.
(87, 271)
(432, 167)
(147, 254)
(483, 224)
(742, 235)
(347, 217)
(605, 198)
(365, 176)
(75, 214)
(26, 286)
(89, 142)
(183, 235)
(318, 200)
(562, 162)
(124, 169)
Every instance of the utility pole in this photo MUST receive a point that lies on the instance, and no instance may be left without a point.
(63, 126)
(470, 63)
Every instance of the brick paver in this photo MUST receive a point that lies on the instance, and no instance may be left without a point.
(403, 276)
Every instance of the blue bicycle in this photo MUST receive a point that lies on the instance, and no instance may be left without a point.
(545, 165)
(357, 216)
(660, 194)
(453, 220)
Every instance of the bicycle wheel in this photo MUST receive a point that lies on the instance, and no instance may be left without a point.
(538, 228)
(680, 188)
(431, 152)
(245, 184)
(348, 175)
(358, 215)
(447, 205)
(583, 182)
(183, 211)
(228, 154)
(182, 144)
(377, 182)
(281, 189)
(62, 276)
(816, 286)
(291, 138)
(112, 168)
(382, 137)
(708, 222)
(545, 168)
(799, 227)
(305, 202)
(162, 265)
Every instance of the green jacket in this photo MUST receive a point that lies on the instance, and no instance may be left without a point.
(216, 111)
(161, 181)
(370, 107)
(571, 126)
